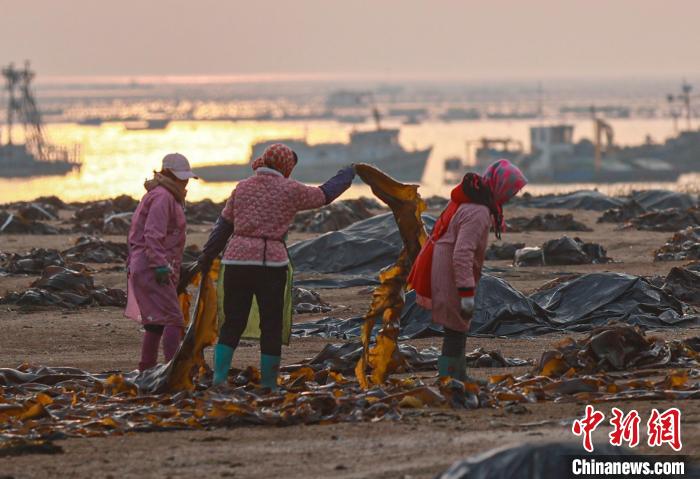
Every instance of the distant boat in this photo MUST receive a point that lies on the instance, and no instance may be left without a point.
(35, 157)
(412, 120)
(555, 158)
(512, 115)
(453, 114)
(319, 162)
(91, 121)
(351, 118)
(152, 124)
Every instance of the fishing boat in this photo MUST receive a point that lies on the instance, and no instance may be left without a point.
(150, 124)
(555, 158)
(34, 157)
(318, 162)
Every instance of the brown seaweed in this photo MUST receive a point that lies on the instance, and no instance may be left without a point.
(202, 331)
(388, 299)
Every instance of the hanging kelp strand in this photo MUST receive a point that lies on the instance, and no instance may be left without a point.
(388, 298)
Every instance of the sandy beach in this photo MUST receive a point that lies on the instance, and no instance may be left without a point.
(101, 339)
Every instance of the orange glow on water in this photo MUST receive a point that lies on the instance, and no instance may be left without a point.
(116, 161)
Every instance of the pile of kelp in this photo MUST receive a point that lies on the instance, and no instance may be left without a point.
(112, 216)
(684, 245)
(343, 357)
(684, 284)
(32, 262)
(87, 249)
(503, 250)
(547, 222)
(335, 216)
(562, 251)
(12, 223)
(308, 301)
(611, 364)
(61, 287)
(672, 219)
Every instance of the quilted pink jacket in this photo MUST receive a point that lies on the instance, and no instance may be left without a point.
(457, 262)
(261, 208)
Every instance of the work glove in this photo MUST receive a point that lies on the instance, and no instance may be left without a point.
(337, 185)
(204, 263)
(162, 274)
(466, 306)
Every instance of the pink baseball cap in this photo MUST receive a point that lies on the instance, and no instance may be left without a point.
(178, 166)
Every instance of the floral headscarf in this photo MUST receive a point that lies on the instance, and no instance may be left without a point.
(278, 157)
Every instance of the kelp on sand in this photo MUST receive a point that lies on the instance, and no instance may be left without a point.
(611, 364)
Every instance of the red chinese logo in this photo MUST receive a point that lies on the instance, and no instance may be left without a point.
(587, 425)
(665, 428)
(625, 428)
(662, 428)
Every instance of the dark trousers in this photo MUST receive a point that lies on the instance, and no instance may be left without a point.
(454, 343)
(267, 284)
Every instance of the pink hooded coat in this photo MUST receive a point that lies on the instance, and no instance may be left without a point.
(457, 261)
(156, 238)
(459, 254)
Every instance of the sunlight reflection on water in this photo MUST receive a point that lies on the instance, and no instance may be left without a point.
(116, 161)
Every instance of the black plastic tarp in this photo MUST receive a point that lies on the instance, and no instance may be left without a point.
(544, 461)
(581, 304)
(362, 248)
(343, 357)
(578, 200)
(415, 322)
(663, 199)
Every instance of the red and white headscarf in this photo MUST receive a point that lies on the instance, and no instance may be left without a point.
(279, 157)
(500, 182)
(505, 180)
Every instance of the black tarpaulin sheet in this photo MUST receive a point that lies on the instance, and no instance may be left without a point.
(581, 304)
(543, 461)
(663, 199)
(415, 322)
(578, 200)
(361, 249)
(343, 358)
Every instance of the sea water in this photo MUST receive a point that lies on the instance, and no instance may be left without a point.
(117, 161)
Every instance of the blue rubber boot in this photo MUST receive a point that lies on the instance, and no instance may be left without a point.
(269, 370)
(223, 355)
(452, 367)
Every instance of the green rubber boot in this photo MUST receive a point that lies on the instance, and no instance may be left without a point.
(269, 369)
(462, 363)
(449, 366)
(223, 355)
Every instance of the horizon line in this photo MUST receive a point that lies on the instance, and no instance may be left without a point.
(244, 78)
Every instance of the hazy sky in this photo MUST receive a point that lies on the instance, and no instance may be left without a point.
(393, 38)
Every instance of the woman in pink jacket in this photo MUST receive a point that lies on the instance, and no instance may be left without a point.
(448, 268)
(256, 219)
(156, 243)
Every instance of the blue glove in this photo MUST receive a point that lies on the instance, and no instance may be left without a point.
(216, 243)
(337, 185)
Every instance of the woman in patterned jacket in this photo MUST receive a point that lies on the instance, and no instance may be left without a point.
(256, 219)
